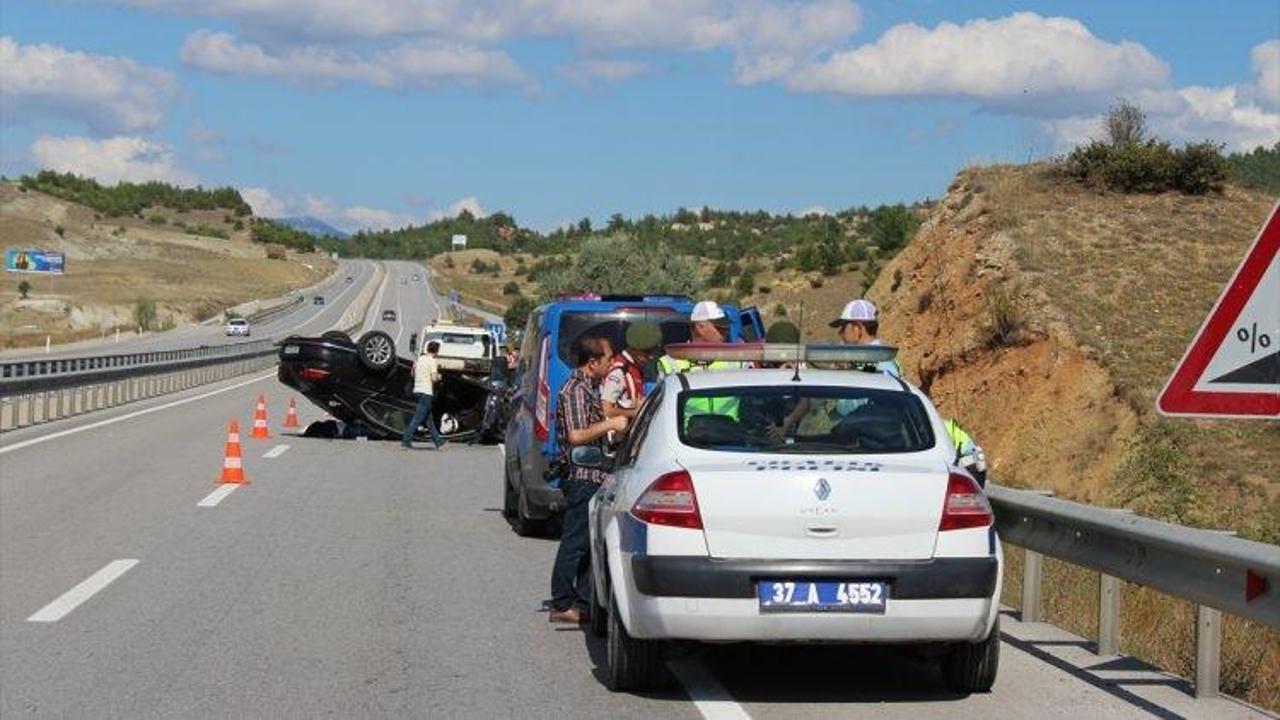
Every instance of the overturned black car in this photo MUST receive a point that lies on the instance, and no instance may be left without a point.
(364, 384)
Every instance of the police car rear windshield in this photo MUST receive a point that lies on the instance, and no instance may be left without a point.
(810, 420)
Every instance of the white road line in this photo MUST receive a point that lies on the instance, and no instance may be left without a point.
(375, 310)
(73, 598)
(325, 308)
(399, 316)
(130, 416)
(708, 696)
(275, 452)
(217, 496)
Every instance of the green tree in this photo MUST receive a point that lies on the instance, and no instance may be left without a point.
(24, 287)
(144, 313)
(619, 265)
(517, 313)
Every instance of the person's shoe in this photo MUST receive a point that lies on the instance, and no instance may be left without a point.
(439, 446)
(572, 616)
(404, 446)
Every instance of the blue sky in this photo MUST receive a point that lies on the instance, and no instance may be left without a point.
(376, 113)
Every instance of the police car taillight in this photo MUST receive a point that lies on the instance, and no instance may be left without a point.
(966, 506)
(670, 500)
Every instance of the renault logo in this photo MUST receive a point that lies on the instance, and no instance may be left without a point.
(822, 489)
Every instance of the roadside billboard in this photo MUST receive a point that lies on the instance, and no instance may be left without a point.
(34, 261)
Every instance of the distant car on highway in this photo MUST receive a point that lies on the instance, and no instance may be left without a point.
(237, 326)
(417, 277)
(404, 281)
(545, 363)
(318, 300)
(349, 278)
(364, 382)
(745, 506)
(389, 315)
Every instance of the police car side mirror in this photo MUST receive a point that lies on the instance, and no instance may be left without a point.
(587, 456)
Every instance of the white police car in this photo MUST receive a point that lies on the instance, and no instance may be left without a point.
(776, 505)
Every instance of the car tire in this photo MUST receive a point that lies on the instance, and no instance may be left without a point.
(631, 664)
(337, 336)
(377, 351)
(524, 525)
(599, 624)
(971, 667)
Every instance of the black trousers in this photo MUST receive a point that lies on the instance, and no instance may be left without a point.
(571, 574)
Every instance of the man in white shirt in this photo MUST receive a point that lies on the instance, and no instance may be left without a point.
(426, 373)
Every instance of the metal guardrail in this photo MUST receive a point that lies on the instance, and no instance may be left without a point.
(276, 310)
(1215, 570)
(28, 375)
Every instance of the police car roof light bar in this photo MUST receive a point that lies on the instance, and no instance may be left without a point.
(778, 353)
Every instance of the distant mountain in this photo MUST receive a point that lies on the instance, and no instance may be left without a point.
(315, 226)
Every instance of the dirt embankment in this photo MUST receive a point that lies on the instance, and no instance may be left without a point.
(177, 261)
(1046, 317)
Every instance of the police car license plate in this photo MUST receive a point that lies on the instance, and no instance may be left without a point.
(290, 349)
(858, 596)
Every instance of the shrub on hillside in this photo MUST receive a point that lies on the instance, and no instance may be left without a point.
(1258, 170)
(619, 265)
(24, 288)
(1005, 320)
(1150, 167)
(479, 266)
(511, 288)
(518, 313)
(144, 313)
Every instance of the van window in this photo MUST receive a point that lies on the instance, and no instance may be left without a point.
(613, 325)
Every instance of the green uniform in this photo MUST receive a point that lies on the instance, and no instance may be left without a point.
(729, 406)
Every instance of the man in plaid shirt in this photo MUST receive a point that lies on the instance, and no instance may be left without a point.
(580, 421)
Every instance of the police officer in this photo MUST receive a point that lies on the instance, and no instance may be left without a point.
(857, 324)
(708, 324)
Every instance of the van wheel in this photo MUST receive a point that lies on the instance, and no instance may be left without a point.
(526, 526)
(971, 667)
(509, 499)
(632, 664)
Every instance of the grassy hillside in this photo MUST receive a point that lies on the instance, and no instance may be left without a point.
(190, 263)
(1046, 316)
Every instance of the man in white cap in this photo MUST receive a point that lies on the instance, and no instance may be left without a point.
(857, 325)
(707, 324)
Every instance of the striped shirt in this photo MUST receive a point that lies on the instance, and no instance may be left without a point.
(578, 409)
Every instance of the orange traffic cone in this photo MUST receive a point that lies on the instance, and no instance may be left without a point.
(291, 418)
(232, 464)
(260, 420)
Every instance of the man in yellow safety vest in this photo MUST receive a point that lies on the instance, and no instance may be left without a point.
(708, 324)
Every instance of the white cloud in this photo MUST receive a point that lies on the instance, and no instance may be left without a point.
(111, 160)
(106, 93)
(376, 219)
(420, 64)
(264, 204)
(1023, 60)
(1266, 65)
(470, 204)
(589, 71)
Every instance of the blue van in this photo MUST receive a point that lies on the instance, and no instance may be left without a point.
(551, 333)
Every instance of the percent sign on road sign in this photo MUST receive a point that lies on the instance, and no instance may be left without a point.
(1232, 368)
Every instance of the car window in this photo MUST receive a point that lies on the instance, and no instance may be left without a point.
(810, 420)
(630, 449)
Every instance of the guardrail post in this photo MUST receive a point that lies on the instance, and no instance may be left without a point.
(1108, 614)
(1208, 651)
(1031, 576)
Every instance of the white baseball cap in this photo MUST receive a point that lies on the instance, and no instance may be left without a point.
(706, 311)
(856, 311)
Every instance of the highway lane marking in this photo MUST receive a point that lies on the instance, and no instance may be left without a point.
(275, 452)
(76, 596)
(130, 416)
(325, 308)
(217, 496)
(399, 316)
(708, 696)
(376, 309)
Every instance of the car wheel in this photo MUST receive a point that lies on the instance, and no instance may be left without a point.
(631, 664)
(377, 351)
(337, 336)
(971, 667)
(526, 526)
(599, 614)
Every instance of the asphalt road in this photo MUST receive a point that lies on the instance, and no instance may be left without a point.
(306, 318)
(353, 579)
(414, 302)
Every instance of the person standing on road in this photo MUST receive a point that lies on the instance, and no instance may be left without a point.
(580, 420)
(857, 325)
(426, 373)
(623, 388)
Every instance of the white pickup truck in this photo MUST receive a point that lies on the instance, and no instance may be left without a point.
(470, 350)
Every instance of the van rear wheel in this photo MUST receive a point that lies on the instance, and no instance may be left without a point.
(526, 526)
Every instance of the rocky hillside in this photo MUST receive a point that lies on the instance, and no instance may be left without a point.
(1046, 317)
(192, 265)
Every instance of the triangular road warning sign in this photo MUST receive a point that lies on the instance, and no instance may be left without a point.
(1232, 368)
